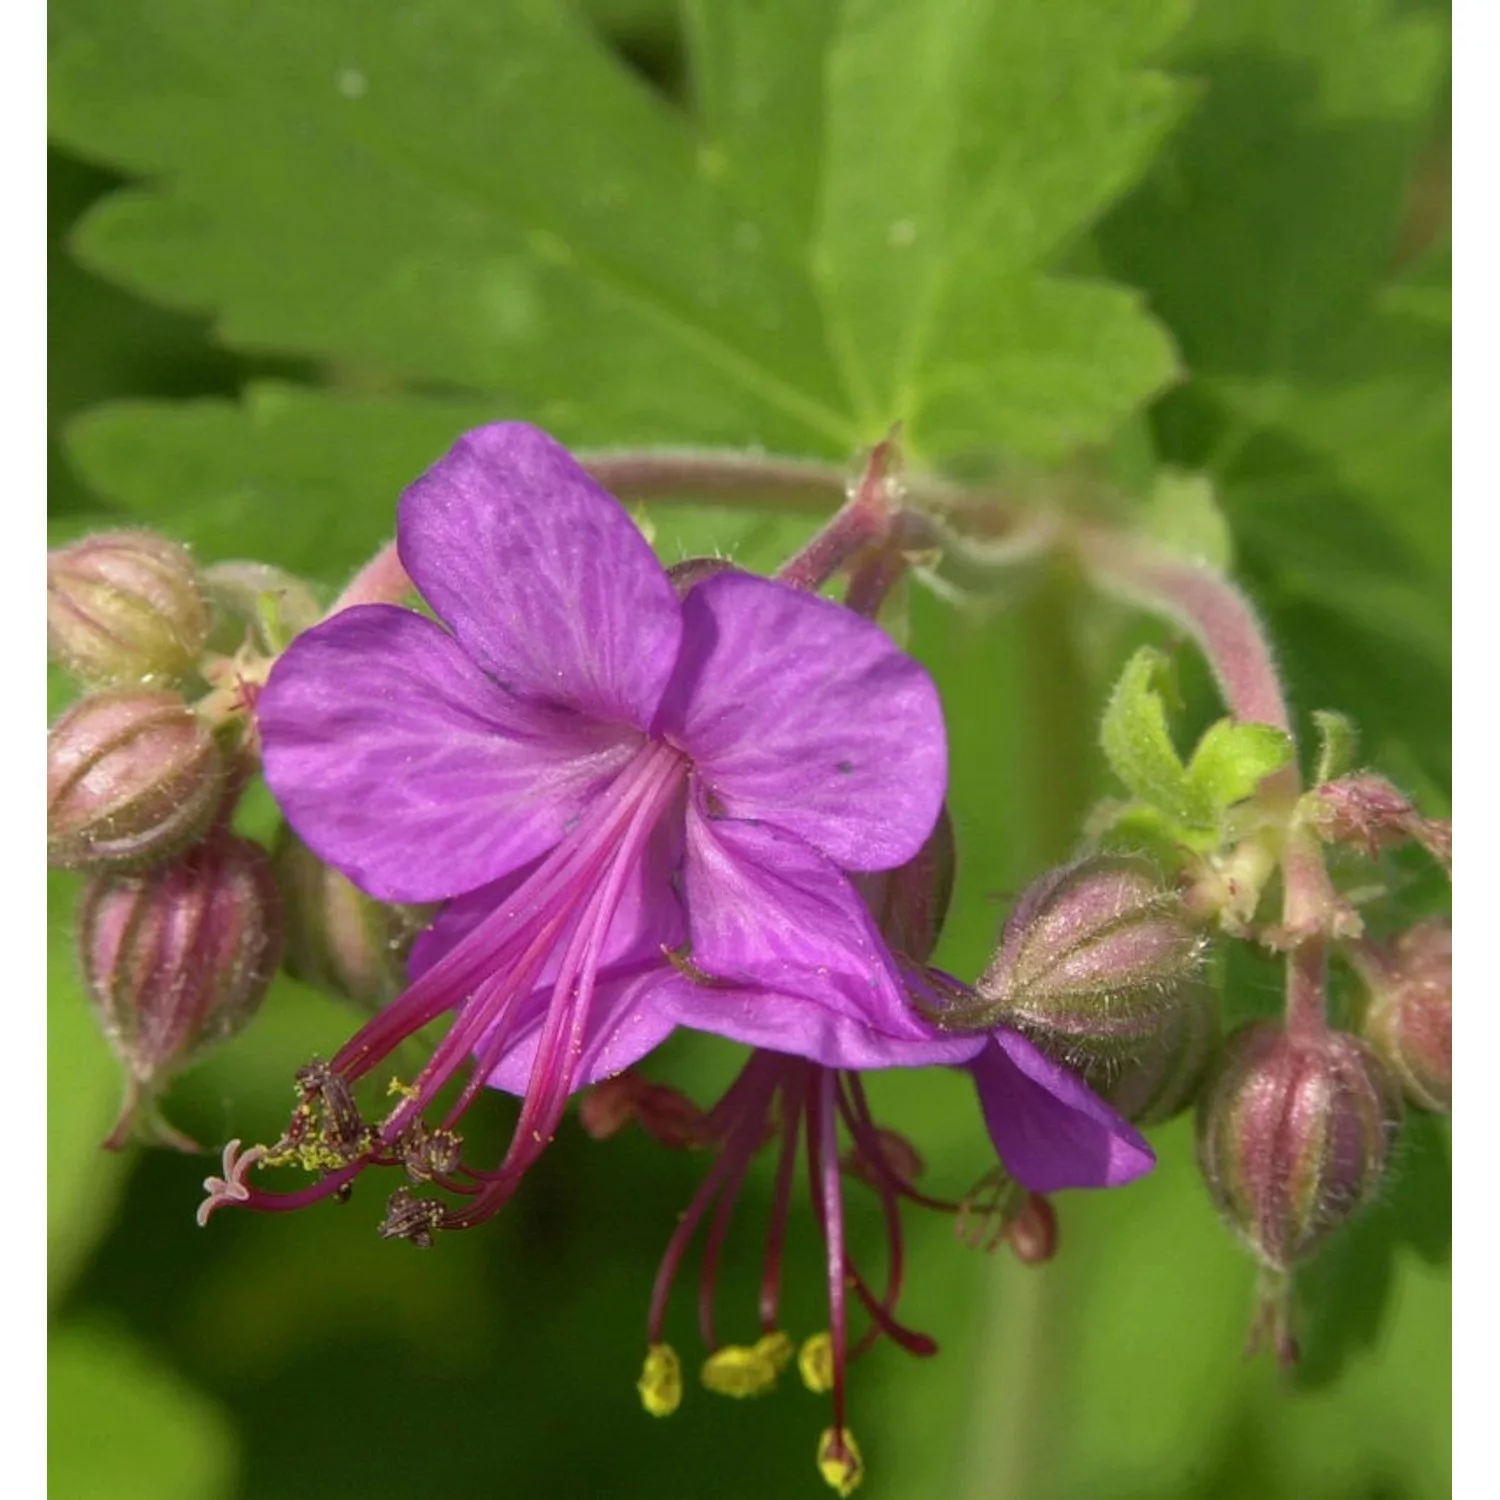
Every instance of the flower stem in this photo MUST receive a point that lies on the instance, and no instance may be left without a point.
(382, 580)
(1228, 632)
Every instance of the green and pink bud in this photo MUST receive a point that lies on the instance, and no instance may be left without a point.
(176, 960)
(133, 777)
(1095, 964)
(125, 607)
(1409, 1019)
(1164, 1078)
(337, 937)
(1367, 813)
(1294, 1137)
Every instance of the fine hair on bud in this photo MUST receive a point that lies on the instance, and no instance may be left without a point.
(178, 958)
(337, 937)
(125, 607)
(1409, 1018)
(1164, 1078)
(133, 776)
(1095, 963)
(1294, 1137)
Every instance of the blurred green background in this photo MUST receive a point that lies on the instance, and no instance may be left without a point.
(1287, 225)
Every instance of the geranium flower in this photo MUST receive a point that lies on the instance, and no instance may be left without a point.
(610, 785)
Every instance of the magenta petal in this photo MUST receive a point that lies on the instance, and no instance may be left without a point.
(768, 912)
(542, 576)
(798, 713)
(837, 1037)
(624, 1024)
(1049, 1128)
(400, 763)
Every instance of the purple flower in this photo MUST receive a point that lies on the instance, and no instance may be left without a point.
(612, 787)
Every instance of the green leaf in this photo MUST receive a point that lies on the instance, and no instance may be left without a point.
(1267, 236)
(124, 1425)
(1138, 744)
(854, 225)
(1232, 759)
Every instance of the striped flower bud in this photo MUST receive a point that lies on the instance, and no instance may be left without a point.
(1409, 1021)
(133, 776)
(1164, 1077)
(125, 606)
(1294, 1135)
(337, 937)
(253, 599)
(1095, 963)
(176, 960)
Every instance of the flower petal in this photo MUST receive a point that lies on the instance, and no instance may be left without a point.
(624, 1024)
(1049, 1128)
(810, 973)
(799, 713)
(542, 576)
(400, 763)
(837, 1038)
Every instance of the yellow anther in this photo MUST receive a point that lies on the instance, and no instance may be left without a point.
(839, 1461)
(777, 1349)
(815, 1364)
(736, 1370)
(660, 1384)
(402, 1090)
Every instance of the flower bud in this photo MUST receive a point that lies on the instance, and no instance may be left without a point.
(125, 606)
(1294, 1133)
(337, 937)
(133, 775)
(267, 604)
(178, 958)
(910, 902)
(1409, 1021)
(1164, 1077)
(1368, 813)
(1094, 964)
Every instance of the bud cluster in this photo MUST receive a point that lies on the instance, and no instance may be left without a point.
(180, 922)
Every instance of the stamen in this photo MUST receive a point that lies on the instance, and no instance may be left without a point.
(660, 1384)
(839, 1461)
(739, 1370)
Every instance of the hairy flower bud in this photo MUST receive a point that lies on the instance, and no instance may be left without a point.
(910, 902)
(337, 937)
(1164, 1077)
(178, 958)
(125, 606)
(1409, 1021)
(1368, 813)
(252, 598)
(133, 775)
(1294, 1133)
(1094, 964)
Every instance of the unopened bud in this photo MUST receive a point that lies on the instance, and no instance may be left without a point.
(686, 575)
(668, 1116)
(338, 938)
(178, 959)
(254, 599)
(1094, 963)
(1409, 1021)
(133, 776)
(1294, 1133)
(125, 606)
(1368, 813)
(910, 902)
(1164, 1077)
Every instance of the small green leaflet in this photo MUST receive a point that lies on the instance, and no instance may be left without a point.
(1228, 764)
